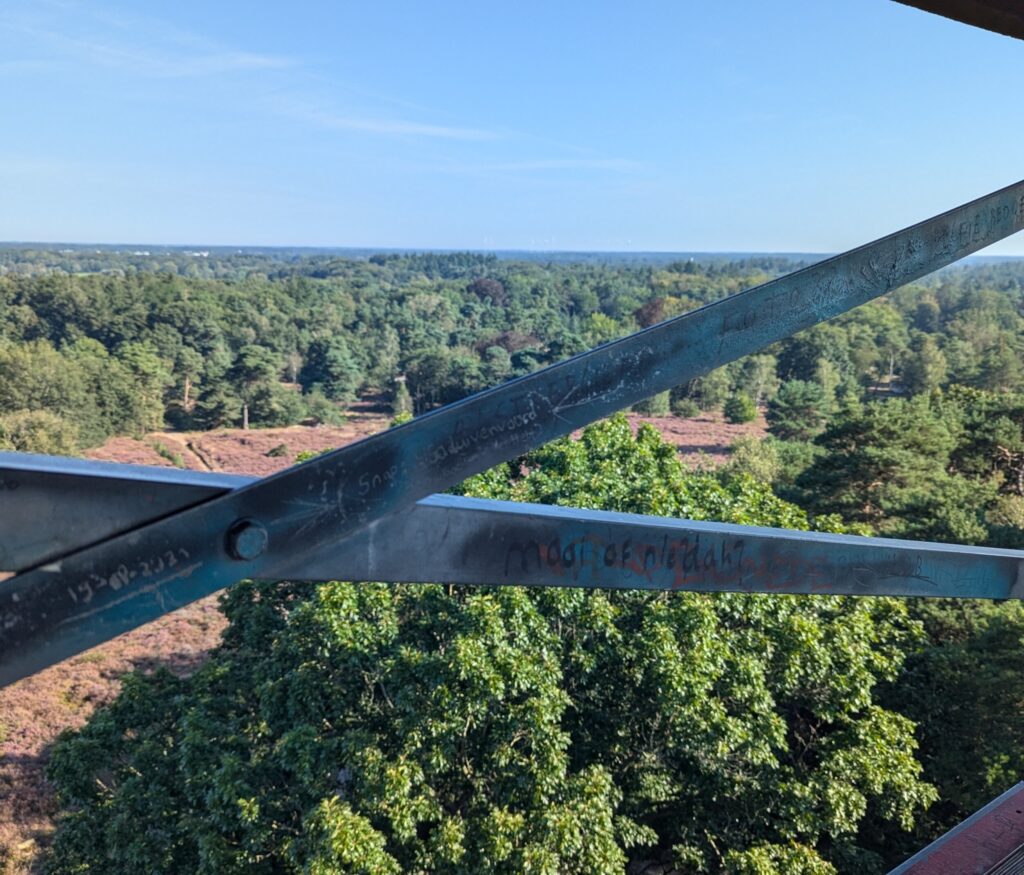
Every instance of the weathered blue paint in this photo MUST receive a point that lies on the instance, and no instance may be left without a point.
(140, 574)
(452, 539)
(51, 506)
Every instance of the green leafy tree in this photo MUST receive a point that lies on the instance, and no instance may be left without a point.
(497, 365)
(759, 377)
(802, 353)
(188, 368)
(38, 431)
(828, 376)
(151, 377)
(656, 405)
(601, 328)
(377, 729)
(682, 405)
(218, 407)
(35, 377)
(273, 404)
(387, 352)
(964, 688)
(990, 448)
(925, 368)
(709, 391)
(429, 380)
(401, 402)
(1000, 367)
(756, 457)
(125, 388)
(321, 410)
(254, 370)
(963, 361)
(928, 316)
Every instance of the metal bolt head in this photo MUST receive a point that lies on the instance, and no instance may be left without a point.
(247, 539)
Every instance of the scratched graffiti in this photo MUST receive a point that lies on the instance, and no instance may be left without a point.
(492, 435)
(705, 561)
(334, 496)
(84, 590)
(989, 224)
(684, 559)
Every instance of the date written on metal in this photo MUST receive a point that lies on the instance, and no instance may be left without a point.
(84, 590)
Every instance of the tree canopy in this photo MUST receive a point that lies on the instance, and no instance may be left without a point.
(371, 728)
(270, 335)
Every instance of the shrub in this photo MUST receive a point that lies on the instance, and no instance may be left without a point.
(740, 408)
(38, 431)
(687, 408)
(656, 405)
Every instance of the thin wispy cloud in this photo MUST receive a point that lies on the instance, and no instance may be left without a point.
(618, 165)
(151, 48)
(403, 127)
(141, 46)
(157, 63)
(621, 166)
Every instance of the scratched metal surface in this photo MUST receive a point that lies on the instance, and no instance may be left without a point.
(144, 573)
(451, 539)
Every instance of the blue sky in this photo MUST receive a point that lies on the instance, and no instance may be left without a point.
(739, 125)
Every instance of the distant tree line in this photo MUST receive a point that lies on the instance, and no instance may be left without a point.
(277, 342)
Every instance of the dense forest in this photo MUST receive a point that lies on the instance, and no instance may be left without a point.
(379, 729)
(294, 342)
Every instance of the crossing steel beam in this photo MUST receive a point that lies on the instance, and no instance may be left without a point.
(453, 539)
(260, 529)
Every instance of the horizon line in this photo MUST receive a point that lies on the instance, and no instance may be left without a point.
(412, 250)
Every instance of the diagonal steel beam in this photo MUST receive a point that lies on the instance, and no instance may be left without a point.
(256, 531)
